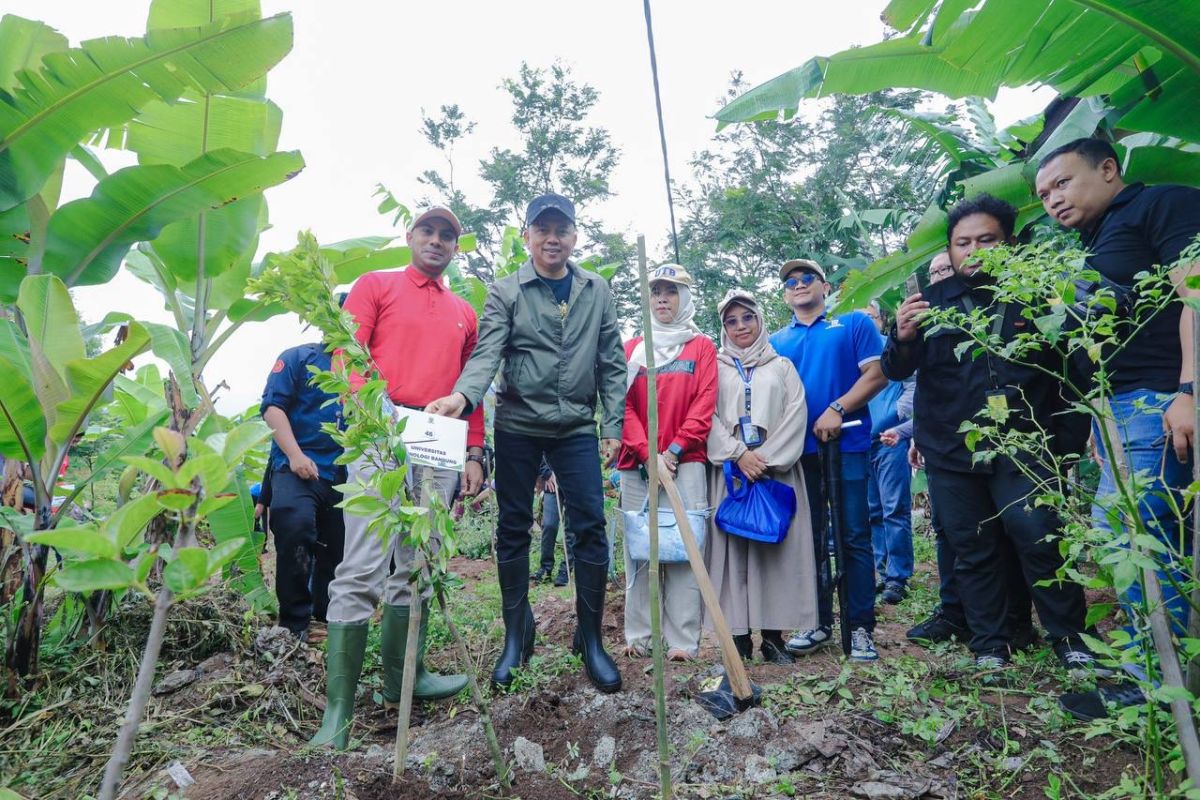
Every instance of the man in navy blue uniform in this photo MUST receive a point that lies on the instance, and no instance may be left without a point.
(838, 362)
(308, 526)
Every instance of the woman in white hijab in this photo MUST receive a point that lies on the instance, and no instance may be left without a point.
(759, 425)
(685, 366)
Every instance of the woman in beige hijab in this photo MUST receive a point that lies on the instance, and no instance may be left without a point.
(768, 587)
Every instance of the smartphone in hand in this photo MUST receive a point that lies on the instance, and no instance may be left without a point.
(912, 285)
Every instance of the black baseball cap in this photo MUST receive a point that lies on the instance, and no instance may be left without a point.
(550, 202)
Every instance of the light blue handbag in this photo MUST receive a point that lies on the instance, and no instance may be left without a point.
(670, 543)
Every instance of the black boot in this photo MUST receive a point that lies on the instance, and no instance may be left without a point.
(590, 581)
(774, 651)
(744, 645)
(518, 620)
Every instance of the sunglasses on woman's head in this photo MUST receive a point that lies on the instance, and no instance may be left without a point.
(746, 319)
(805, 279)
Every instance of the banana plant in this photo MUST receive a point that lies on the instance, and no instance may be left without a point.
(1124, 67)
(51, 389)
(55, 100)
(191, 481)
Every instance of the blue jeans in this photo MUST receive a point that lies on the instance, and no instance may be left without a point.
(856, 544)
(1138, 416)
(889, 495)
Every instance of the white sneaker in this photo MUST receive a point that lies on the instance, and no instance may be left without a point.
(862, 645)
(807, 641)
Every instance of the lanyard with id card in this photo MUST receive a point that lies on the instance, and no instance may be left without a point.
(751, 436)
(997, 398)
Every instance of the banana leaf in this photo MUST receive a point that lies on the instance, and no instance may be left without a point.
(104, 83)
(88, 238)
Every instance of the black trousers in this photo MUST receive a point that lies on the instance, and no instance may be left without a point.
(1020, 614)
(310, 535)
(576, 464)
(965, 503)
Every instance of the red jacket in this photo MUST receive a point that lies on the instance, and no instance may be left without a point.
(687, 398)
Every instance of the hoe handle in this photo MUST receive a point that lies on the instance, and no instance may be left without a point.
(738, 680)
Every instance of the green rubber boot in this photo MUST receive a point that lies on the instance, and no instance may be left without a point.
(344, 648)
(428, 685)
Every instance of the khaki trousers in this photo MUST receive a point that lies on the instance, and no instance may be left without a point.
(680, 594)
(370, 571)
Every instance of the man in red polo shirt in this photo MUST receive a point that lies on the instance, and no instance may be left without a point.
(420, 334)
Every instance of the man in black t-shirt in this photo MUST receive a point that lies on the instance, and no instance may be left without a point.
(1128, 229)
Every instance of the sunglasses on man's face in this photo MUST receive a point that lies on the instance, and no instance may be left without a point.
(805, 279)
(746, 319)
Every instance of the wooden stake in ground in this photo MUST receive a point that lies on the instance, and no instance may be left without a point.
(739, 681)
(660, 693)
(1193, 667)
(1160, 625)
(413, 637)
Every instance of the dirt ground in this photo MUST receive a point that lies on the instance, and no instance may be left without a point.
(826, 728)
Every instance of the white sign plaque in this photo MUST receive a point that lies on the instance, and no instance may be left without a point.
(434, 440)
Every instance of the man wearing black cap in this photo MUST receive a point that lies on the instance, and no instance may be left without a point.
(554, 326)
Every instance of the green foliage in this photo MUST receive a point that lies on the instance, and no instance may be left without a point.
(88, 238)
(560, 152)
(105, 82)
(1118, 69)
(837, 189)
(109, 553)
(1042, 279)
(1081, 49)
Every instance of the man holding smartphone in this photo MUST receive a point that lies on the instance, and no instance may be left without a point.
(952, 389)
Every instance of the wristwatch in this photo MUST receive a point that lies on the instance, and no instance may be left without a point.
(838, 407)
(480, 460)
(675, 450)
(1186, 388)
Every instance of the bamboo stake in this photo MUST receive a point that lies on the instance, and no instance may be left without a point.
(1193, 667)
(1160, 626)
(660, 694)
(562, 527)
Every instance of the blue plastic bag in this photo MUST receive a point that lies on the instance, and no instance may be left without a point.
(760, 510)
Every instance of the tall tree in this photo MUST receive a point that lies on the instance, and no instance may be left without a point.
(842, 187)
(559, 152)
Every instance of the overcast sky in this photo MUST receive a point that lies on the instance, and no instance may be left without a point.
(360, 72)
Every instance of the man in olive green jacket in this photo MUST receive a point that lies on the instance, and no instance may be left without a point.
(554, 326)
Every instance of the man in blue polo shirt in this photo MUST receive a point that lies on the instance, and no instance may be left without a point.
(838, 362)
(305, 519)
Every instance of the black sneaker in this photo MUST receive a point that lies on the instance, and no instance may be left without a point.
(939, 627)
(893, 593)
(1078, 660)
(1025, 637)
(542, 575)
(560, 578)
(1088, 706)
(991, 661)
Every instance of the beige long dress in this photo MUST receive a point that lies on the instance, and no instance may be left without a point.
(763, 586)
